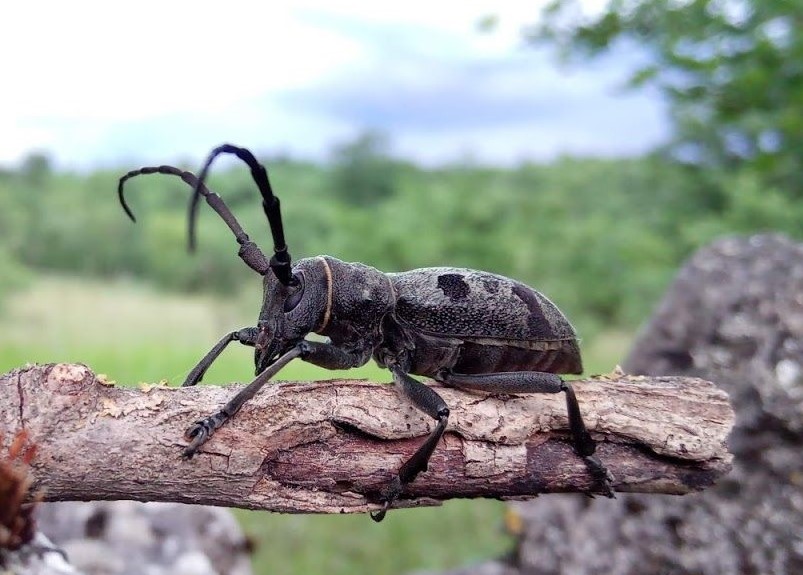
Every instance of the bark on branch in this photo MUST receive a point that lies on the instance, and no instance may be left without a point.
(330, 446)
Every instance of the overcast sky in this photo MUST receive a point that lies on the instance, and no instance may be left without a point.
(107, 83)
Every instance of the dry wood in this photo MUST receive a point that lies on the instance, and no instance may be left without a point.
(330, 446)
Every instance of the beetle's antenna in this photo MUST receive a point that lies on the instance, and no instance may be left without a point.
(249, 251)
(280, 262)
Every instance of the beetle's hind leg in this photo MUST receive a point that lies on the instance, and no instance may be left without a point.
(584, 444)
(540, 382)
(428, 401)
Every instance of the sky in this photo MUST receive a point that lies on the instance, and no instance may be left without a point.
(114, 84)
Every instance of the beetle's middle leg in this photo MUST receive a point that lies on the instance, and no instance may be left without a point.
(428, 401)
(540, 382)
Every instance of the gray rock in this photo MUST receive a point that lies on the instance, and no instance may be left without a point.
(38, 557)
(128, 537)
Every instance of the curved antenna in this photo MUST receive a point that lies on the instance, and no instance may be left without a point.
(280, 263)
(249, 251)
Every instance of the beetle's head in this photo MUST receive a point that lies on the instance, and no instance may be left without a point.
(290, 309)
(289, 312)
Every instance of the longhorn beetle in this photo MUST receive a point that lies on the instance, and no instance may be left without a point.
(467, 329)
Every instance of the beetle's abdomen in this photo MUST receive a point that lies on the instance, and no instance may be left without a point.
(561, 357)
(432, 354)
(460, 302)
(500, 324)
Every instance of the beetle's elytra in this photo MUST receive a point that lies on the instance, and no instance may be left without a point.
(465, 328)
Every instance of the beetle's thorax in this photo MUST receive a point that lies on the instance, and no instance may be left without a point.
(357, 297)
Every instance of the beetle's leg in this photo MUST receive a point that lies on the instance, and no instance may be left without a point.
(330, 356)
(200, 432)
(246, 336)
(428, 401)
(322, 354)
(540, 382)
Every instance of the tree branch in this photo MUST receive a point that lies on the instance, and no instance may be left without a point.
(331, 446)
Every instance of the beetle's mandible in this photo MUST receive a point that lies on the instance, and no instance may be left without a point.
(466, 329)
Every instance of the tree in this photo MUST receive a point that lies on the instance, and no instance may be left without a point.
(731, 70)
(364, 173)
(36, 167)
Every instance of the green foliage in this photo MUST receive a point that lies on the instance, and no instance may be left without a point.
(731, 71)
(363, 173)
(36, 168)
(13, 275)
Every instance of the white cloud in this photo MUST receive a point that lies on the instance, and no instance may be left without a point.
(99, 82)
(107, 60)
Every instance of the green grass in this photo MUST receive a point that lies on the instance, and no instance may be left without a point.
(461, 532)
(134, 334)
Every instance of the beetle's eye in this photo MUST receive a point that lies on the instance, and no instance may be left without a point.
(295, 296)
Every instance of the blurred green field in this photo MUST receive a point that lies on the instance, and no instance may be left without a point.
(133, 333)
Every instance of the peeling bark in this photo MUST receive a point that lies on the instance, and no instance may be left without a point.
(331, 446)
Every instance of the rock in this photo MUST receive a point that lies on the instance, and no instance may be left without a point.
(128, 538)
(38, 557)
(735, 315)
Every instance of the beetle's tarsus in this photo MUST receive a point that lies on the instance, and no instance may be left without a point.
(389, 495)
(601, 475)
(380, 515)
(200, 432)
(427, 400)
(198, 436)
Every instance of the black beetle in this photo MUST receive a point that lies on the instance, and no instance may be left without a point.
(466, 329)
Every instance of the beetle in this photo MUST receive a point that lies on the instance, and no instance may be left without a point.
(467, 329)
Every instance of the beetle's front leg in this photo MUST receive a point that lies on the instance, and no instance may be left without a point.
(200, 431)
(246, 336)
(322, 354)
